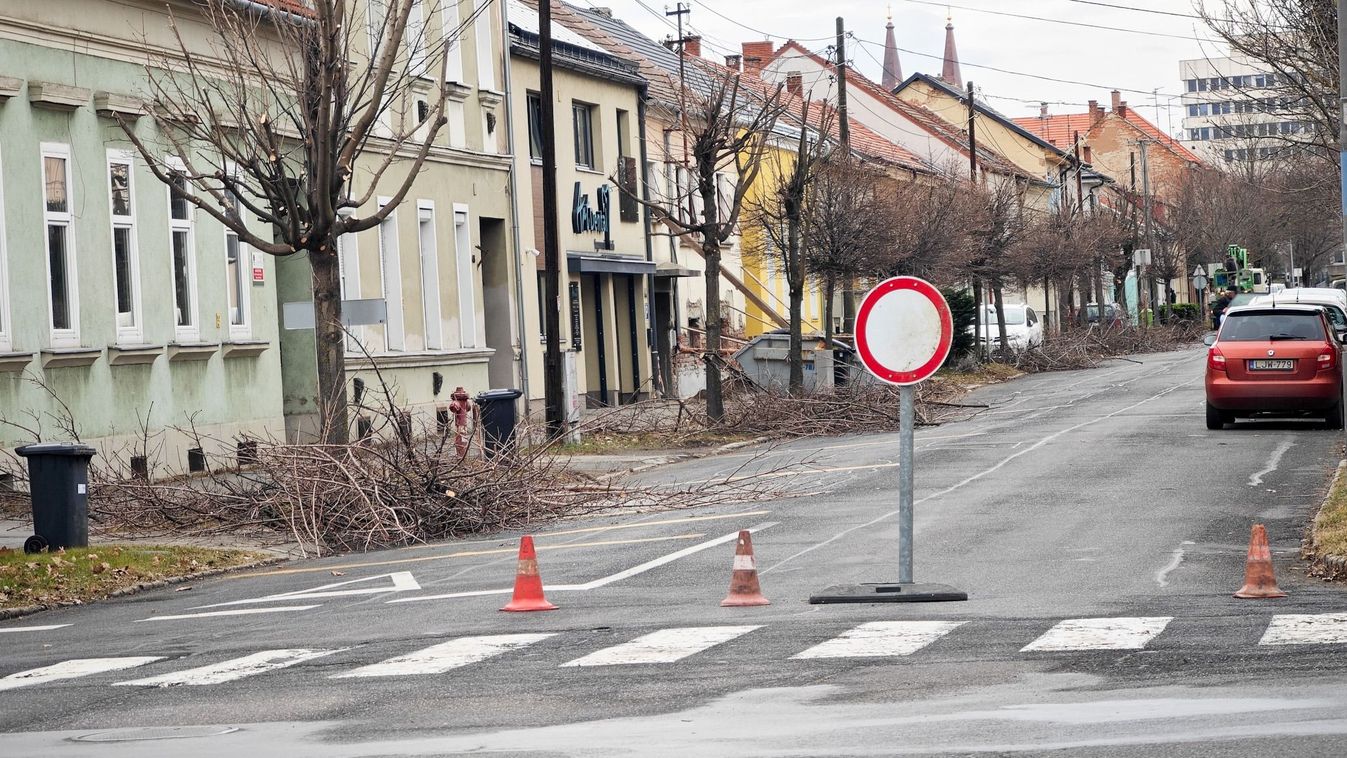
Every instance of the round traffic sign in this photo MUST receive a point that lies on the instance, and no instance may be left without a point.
(903, 330)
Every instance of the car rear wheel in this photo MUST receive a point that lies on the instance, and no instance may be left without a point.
(1334, 418)
(1216, 419)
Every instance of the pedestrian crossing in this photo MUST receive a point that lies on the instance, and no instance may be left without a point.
(664, 647)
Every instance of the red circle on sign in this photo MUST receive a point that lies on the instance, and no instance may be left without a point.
(873, 338)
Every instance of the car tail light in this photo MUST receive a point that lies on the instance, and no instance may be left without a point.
(1215, 359)
(1328, 359)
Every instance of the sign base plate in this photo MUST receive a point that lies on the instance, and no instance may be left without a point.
(891, 592)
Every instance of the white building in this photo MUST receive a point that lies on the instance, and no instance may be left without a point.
(1235, 111)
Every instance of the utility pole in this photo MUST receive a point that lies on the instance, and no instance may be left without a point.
(1098, 259)
(973, 179)
(1342, 139)
(844, 136)
(552, 384)
(1149, 299)
(680, 10)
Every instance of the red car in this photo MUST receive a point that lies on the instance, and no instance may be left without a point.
(1282, 360)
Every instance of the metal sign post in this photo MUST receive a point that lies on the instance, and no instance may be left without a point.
(904, 331)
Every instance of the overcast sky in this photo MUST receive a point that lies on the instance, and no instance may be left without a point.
(1140, 60)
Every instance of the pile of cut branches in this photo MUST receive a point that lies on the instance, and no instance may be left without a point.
(1087, 348)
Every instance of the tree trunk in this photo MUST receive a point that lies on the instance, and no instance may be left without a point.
(849, 306)
(829, 287)
(1104, 321)
(330, 347)
(795, 281)
(999, 299)
(715, 404)
(979, 328)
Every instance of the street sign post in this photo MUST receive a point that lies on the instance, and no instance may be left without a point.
(904, 331)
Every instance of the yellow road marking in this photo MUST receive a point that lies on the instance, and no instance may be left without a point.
(461, 554)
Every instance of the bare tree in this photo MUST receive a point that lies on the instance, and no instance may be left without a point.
(270, 122)
(730, 120)
(1297, 42)
(999, 226)
(779, 215)
(930, 224)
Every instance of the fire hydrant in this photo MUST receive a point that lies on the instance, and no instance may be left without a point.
(462, 407)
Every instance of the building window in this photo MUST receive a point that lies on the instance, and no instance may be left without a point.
(183, 244)
(452, 35)
(535, 117)
(125, 251)
(430, 275)
(237, 272)
(62, 290)
(486, 45)
(414, 35)
(467, 289)
(1192, 85)
(583, 117)
(390, 272)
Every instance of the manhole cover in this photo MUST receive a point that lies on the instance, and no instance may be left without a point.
(140, 734)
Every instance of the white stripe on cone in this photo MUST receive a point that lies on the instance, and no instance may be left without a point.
(744, 563)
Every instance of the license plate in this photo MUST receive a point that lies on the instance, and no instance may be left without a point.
(1287, 364)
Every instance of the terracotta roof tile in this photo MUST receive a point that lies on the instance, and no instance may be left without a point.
(1059, 128)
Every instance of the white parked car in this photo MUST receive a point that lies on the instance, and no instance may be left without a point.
(1334, 301)
(1024, 329)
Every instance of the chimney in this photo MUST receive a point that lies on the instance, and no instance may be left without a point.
(795, 83)
(734, 62)
(1094, 105)
(756, 56)
(1042, 110)
(602, 11)
(1117, 99)
(1121, 110)
(693, 46)
(1086, 154)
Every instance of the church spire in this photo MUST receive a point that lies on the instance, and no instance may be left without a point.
(893, 70)
(950, 73)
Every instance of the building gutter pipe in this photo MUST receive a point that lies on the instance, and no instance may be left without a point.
(514, 204)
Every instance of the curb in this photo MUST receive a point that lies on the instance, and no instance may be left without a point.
(684, 457)
(1327, 567)
(28, 610)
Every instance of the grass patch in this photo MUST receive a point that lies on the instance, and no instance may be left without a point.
(604, 443)
(1330, 526)
(90, 573)
(987, 373)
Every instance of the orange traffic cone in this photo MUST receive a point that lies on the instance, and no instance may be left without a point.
(528, 583)
(1259, 580)
(744, 589)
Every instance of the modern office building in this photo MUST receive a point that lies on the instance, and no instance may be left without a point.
(1234, 110)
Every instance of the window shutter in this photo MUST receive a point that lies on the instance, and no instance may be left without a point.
(627, 208)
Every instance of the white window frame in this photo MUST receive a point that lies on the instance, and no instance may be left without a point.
(467, 286)
(375, 13)
(190, 332)
(431, 308)
(453, 40)
(61, 337)
(414, 35)
(390, 276)
(348, 266)
(6, 333)
(134, 332)
(244, 330)
(486, 45)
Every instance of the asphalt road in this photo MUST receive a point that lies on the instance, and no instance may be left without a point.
(1097, 527)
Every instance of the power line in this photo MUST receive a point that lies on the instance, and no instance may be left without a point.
(741, 24)
(1063, 21)
(1016, 73)
(1142, 10)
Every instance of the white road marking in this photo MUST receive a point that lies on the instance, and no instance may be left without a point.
(1306, 629)
(1273, 462)
(664, 646)
(1100, 634)
(402, 581)
(445, 656)
(72, 669)
(881, 639)
(46, 628)
(228, 671)
(1162, 576)
(236, 612)
(959, 485)
(607, 580)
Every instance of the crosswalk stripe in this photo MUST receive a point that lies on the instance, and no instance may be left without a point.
(73, 669)
(664, 646)
(1100, 634)
(445, 656)
(882, 638)
(1306, 629)
(228, 671)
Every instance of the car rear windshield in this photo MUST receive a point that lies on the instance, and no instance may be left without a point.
(1257, 327)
